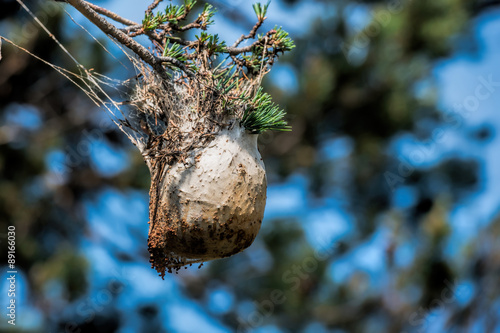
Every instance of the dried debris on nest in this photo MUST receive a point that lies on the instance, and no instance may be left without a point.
(195, 120)
(173, 117)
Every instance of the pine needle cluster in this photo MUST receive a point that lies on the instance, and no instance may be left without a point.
(224, 78)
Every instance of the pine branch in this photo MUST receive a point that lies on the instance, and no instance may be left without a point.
(109, 29)
(236, 83)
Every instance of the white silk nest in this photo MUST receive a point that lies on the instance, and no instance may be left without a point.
(209, 205)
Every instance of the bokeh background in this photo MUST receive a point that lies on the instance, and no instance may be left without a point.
(382, 212)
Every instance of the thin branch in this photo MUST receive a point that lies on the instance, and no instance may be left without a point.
(251, 35)
(237, 61)
(180, 41)
(238, 50)
(137, 30)
(152, 6)
(232, 50)
(120, 36)
(112, 15)
(131, 28)
(188, 27)
(176, 63)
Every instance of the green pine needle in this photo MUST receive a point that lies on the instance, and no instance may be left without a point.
(260, 10)
(262, 115)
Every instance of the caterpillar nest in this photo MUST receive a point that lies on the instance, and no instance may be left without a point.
(208, 182)
(195, 119)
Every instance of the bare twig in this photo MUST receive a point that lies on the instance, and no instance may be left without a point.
(137, 30)
(251, 35)
(152, 6)
(188, 27)
(238, 50)
(232, 50)
(112, 15)
(131, 28)
(181, 41)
